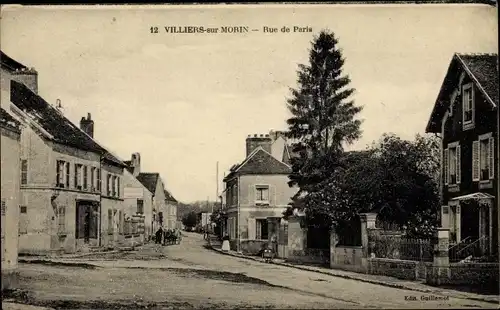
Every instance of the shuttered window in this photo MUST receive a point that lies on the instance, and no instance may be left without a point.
(85, 177)
(445, 168)
(60, 173)
(459, 165)
(261, 229)
(492, 158)
(475, 161)
(67, 174)
(24, 171)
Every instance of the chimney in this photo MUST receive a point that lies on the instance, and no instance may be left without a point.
(87, 125)
(28, 77)
(254, 142)
(135, 163)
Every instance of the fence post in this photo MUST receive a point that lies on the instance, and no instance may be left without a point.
(441, 264)
(367, 222)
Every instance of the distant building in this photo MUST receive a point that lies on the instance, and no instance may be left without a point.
(465, 116)
(154, 183)
(172, 204)
(257, 192)
(138, 203)
(10, 196)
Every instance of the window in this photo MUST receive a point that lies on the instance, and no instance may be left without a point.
(78, 176)
(452, 167)
(98, 172)
(67, 174)
(23, 220)
(468, 105)
(261, 229)
(60, 174)
(262, 194)
(113, 186)
(24, 171)
(140, 206)
(117, 184)
(108, 185)
(483, 155)
(85, 178)
(61, 219)
(92, 179)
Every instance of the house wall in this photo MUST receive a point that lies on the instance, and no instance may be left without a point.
(42, 198)
(115, 204)
(10, 194)
(484, 122)
(279, 196)
(172, 215)
(160, 205)
(133, 190)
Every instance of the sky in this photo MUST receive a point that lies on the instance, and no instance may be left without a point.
(188, 101)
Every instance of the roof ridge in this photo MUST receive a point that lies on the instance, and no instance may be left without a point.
(477, 54)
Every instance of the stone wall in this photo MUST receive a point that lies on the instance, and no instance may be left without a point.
(398, 268)
(471, 274)
(346, 258)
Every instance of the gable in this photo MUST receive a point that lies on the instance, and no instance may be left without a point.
(482, 70)
(261, 162)
(149, 180)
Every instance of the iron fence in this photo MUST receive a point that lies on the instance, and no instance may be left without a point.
(400, 247)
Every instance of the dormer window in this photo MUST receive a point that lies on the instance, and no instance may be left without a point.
(468, 106)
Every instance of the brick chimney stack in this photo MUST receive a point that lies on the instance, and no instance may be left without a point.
(253, 142)
(135, 163)
(87, 125)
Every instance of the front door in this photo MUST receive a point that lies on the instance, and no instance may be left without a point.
(469, 222)
(86, 225)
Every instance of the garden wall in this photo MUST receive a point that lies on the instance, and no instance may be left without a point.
(398, 268)
(347, 258)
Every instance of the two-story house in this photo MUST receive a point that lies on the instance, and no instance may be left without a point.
(465, 117)
(10, 131)
(257, 193)
(138, 200)
(154, 183)
(171, 203)
(63, 172)
(110, 174)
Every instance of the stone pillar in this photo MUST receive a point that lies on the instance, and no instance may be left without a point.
(296, 237)
(334, 239)
(367, 222)
(441, 265)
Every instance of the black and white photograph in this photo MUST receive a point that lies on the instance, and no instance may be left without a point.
(250, 156)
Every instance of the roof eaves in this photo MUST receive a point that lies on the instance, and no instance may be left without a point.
(476, 81)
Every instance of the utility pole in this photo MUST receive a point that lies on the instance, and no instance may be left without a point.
(217, 185)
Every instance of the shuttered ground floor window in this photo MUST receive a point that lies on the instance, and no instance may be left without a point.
(261, 232)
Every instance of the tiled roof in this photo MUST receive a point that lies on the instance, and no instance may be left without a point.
(169, 197)
(260, 162)
(11, 64)
(149, 180)
(484, 68)
(6, 120)
(61, 129)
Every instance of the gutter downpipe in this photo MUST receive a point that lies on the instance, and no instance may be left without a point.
(100, 201)
(441, 170)
(238, 219)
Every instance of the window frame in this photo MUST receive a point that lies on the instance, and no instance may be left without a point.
(258, 228)
(24, 171)
(468, 124)
(259, 187)
(488, 137)
(61, 219)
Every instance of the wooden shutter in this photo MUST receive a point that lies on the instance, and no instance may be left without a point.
(251, 229)
(458, 170)
(491, 158)
(68, 173)
(445, 166)
(475, 161)
(58, 173)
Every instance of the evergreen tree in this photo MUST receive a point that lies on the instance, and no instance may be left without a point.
(323, 117)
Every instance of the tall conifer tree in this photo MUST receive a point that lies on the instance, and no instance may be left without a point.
(323, 116)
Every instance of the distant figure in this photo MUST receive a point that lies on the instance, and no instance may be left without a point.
(159, 235)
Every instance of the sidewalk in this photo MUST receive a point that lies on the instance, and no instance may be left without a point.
(374, 279)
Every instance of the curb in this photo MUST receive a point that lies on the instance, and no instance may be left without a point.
(393, 285)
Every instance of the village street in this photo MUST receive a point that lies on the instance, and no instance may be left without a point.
(190, 275)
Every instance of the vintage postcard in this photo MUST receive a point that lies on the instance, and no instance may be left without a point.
(287, 156)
